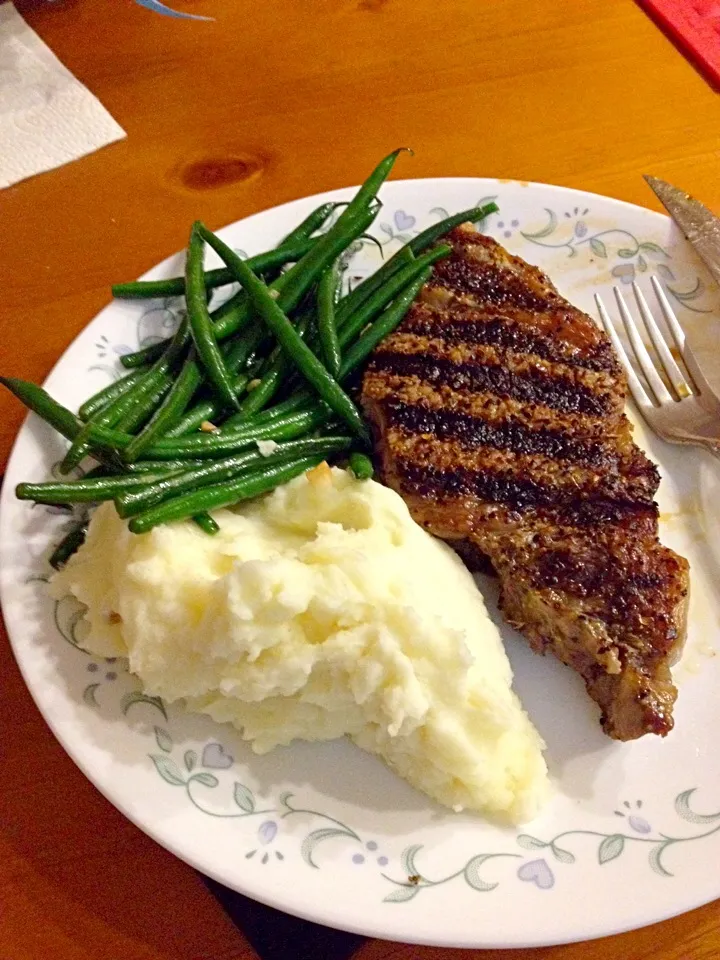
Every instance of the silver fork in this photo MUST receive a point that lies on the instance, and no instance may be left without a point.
(690, 412)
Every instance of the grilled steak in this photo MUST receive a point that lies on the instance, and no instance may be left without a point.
(498, 413)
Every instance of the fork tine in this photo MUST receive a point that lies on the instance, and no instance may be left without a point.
(643, 357)
(675, 374)
(675, 329)
(636, 388)
(699, 382)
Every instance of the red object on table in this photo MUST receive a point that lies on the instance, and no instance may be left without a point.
(695, 25)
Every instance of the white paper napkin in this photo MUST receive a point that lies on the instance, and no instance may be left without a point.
(47, 117)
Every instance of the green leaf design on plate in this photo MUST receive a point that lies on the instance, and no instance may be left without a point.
(408, 859)
(642, 263)
(244, 797)
(546, 230)
(472, 875)
(163, 739)
(206, 779)
(649, 247)
(598, 247)
(626, 253)
(190, 760)
(168, 769)
(564, 856)
(655, 858)
(89, 694)
(67, 613)
(611, 848)
(685, 296)
(130, 699)
(283, 801)
(312, 840)
(527, 842)
(402, 894)
(682, 808)
(688, 294)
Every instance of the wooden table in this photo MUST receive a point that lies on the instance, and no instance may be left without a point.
(271, 101)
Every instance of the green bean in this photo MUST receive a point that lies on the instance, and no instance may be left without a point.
(201, 328)
(384, 325)
(300, 401)
(289, 250)
(206, 523)
(359, 294)
(300, 398)
(294, 346)
(357, 321)
(310, 224)
(432, 233)
(146, 403)
(81, 446)
(169, 420)
(361, 465)
(69, 544)
(260, 391)
(157, 466)
(219, 443)
(172, 407)
(326, 292)
(271, 379)
(132, 502)
(145, 355)
(204, 412)
(223, 495)
(41, 403)
(113, 390)
(92, 490)
(126, 413)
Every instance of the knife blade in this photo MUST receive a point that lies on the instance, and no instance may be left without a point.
(700, 225)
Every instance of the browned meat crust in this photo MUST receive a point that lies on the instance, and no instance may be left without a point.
(498, 412)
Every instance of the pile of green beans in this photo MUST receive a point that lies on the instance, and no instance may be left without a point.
(247, 396)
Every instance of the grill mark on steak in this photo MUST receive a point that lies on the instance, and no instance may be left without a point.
(509, 434)
(518, 494)
(380, 388)
(500, 332)
(531, 387)
(501, 288)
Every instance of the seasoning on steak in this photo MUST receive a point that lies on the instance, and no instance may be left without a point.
(498, 414)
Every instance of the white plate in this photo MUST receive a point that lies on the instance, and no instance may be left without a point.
(632, 834)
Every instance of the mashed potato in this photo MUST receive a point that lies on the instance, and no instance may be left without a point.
(319, 611)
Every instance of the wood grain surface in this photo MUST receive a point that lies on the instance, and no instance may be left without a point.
(271, 101)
